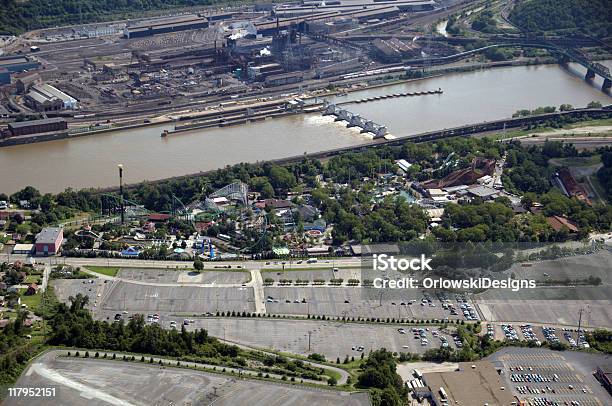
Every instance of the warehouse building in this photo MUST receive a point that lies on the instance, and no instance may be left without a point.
(37, 126)
(45, 97)
(344, 6)
(166, 25)
(18, 63)
(49, 241)
(25, 80)
(471, 384)
(261, 72)
(5, 76)
(393, 50)
(284, 78)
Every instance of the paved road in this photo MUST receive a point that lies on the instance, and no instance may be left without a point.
(258, 291)
(45, 280)
(140, 263)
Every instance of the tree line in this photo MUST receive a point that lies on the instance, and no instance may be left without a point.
(73, 326)
(592, 17)
(17, 16)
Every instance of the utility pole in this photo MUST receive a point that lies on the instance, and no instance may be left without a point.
(120, 166)
(309, 334)
(579, 323)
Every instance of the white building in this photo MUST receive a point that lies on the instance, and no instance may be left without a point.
(49, 92)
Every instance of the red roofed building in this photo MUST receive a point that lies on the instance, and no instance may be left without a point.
(571, 187)
(158, 217)
(278, 204)
(49, 241)
(558, 223)
(201, 226)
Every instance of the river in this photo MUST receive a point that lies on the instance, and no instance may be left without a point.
(470, 97)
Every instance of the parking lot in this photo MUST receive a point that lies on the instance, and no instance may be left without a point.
(155, 275)
(94, 289)
(574, 267)
(333, 339)
(596, 314)
(175, 299)
(324, 274)
(103, 382)
(354, 302)
(538, 334)
(539, 376)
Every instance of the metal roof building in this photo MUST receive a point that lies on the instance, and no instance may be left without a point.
(165, 25)
(45, 94)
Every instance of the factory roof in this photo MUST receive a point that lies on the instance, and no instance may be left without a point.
(14, 61)
(48, 235)
(392, 46)
(161, 26)
(375, 11)
(163, 22)
(38, 97)
(285, 75)
(49, 92)
(286, 22)
(21, 124)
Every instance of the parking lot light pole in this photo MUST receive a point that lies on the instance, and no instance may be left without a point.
(120, 166)
(309, 334)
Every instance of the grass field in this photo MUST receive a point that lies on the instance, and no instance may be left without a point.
(104, 270)
(32, 301)
(577, 161)
(520, 133)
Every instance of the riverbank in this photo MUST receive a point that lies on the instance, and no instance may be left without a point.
(472, 129)
(473, 97)
(342, 88)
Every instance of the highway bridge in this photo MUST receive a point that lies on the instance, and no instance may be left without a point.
(565, 47)
(593, 68)
(566, 55)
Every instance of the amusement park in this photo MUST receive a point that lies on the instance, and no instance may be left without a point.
(230, 223)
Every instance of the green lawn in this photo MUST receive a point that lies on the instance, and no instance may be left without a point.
(32, 278)
(104, 270)
(32, 301)
(519, 133)
(577, 161)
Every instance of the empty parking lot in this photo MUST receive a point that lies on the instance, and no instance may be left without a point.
(333, 339)
(103, 382)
